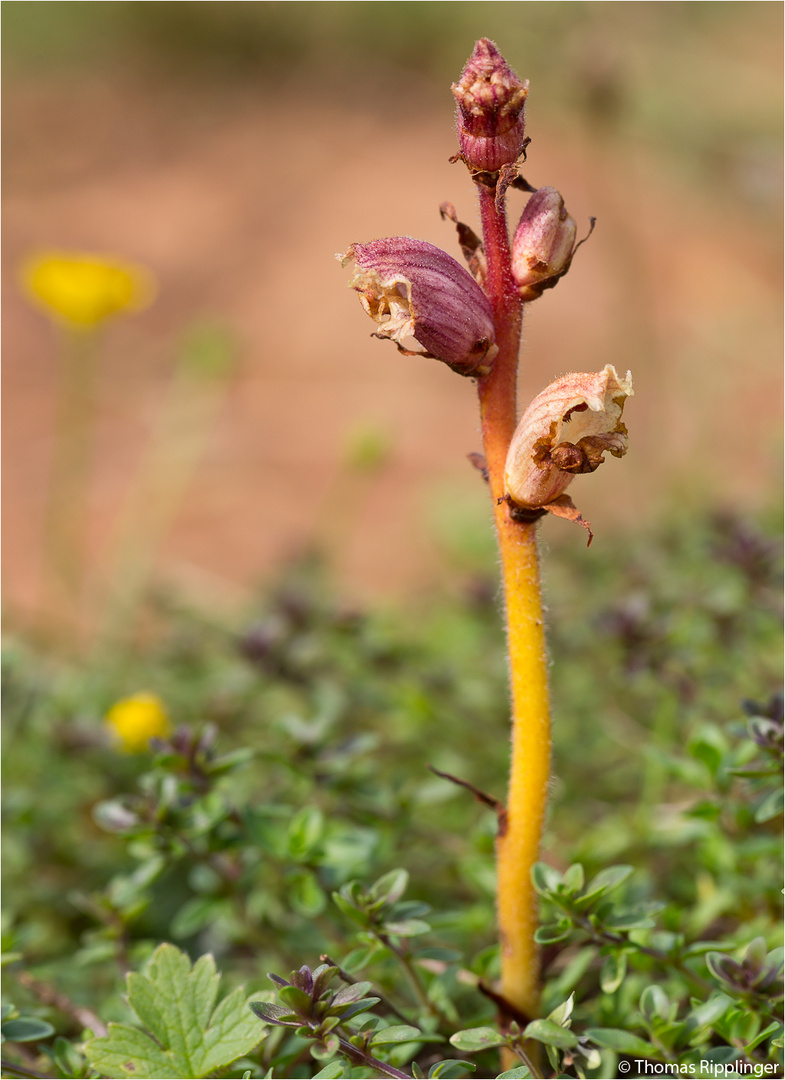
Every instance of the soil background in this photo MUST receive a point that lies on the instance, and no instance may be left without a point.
(234, 148)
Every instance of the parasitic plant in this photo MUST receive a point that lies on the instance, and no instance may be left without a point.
(419, 295)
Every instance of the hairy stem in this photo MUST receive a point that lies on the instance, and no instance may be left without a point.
(518, 843)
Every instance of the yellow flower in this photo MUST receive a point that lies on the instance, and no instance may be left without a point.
(137, 719)
(82, 289)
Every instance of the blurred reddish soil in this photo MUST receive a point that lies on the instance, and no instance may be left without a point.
(238, 208)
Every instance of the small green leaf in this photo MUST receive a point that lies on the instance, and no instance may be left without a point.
(472, 1040)
(297, 1000)
(519, 1073)
(637, 918)
(306, 896)
(614, 969)
(562, 1013)
(450, 1067)
(363, 1005)
(573, 879)
(330, 1072)
(551, 932)
(188, 1037)
(305, 831)
(654, 1003)
(609, 878)
(707, 1014)
(407, 927)
(272, 1014)
(326, 1049)
(347, 908)
(26, 1029)
(399, 1033)
(545, 1031)
(770, 807)
(623, 1042)
(773, 1029)
(390, 887)
(351, 993)
(545, 879)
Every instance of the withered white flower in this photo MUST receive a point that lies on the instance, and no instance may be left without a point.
(565, 431)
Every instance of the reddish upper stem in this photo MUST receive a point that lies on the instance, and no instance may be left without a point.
(497, 390)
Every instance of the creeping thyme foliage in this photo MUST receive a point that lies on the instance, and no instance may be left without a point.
(289, 822)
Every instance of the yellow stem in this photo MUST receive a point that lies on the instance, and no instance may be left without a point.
(517, 847)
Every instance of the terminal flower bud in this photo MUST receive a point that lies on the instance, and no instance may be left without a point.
(566, 431)
(414, 290)
(491, 100)
(544, 243)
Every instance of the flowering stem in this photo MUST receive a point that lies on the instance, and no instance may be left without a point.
(518, 842)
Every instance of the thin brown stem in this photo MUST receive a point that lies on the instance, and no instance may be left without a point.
(49, 995)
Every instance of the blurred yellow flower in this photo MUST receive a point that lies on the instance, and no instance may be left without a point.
(137, 719)
(82, 289)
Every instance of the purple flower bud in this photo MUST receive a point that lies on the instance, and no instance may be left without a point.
(491, 101)
(414, 290)
(544, 243)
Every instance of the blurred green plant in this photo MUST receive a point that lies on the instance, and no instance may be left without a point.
(280, 823)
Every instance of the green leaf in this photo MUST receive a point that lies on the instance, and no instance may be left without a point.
(770, 807)
(26, 1029)
(407, 927)
(448, 1067)
(545, 1031)
(330, 1072)
(613, 971)
(472, 1040)
(703, 1016)
(390, 887)
(607, 879)
(654, 1003)
(363, 1005)
(519, 1073)
(621, 1041)
(347, 908)
(351, 993)
(773, 1029)
(187, 1036)
(573, 879)
(562, 1013)
(273, 1014)
(399, 1033)
(297, 999)
(305, 831)
(545, 879)
(551, 932)
(306, 896)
